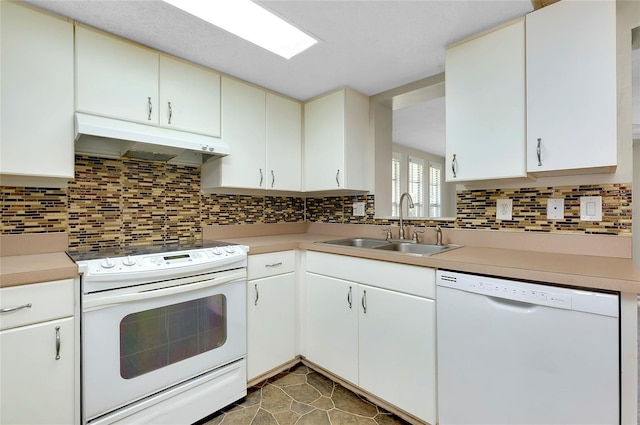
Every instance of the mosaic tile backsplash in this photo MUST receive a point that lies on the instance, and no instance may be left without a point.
(116, 202)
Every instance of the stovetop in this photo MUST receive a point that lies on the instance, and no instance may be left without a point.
(123, 251)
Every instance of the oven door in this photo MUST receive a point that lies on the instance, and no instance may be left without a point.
(138, 343)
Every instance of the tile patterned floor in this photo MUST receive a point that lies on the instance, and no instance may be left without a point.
(301, 396)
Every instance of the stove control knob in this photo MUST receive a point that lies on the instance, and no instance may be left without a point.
(230, 249)
(107, 263)
(129, 261)
(217, 251)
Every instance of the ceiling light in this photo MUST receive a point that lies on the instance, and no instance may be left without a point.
(248, 20)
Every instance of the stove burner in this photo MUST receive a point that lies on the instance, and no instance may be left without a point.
(124, 251)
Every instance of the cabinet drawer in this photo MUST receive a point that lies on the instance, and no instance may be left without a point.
(404, 278)
(50, 300)
(274, 263)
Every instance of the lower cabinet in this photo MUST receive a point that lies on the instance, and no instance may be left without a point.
(372, 323)
(37, 359)
(271, 312)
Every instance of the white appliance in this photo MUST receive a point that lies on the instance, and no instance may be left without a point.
(163, 333)
(520, 353)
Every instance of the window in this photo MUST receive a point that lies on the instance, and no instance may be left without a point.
(435, 189)
(395, 183)
(416, 187)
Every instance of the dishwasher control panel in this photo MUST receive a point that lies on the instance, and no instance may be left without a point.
(531, 293)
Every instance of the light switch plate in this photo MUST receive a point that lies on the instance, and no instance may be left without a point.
(504, 209)
(555, 209)
(591, 208)
(358, 209)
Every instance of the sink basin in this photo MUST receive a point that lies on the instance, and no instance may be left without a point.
(359, 242)
(417, 248)
(396, 246)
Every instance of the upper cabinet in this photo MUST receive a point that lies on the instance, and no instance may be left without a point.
(535, 97)
(485, 106)
(264, 133)
(284, 143)
(571, 88)
(36, 125)
(337, 144)
(119, 79)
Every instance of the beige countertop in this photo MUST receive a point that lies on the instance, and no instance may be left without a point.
(35, 268)
(588, 271)
(21, 265)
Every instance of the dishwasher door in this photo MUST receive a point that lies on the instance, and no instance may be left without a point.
(519, 353)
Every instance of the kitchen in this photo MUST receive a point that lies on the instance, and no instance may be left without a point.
(112, 202)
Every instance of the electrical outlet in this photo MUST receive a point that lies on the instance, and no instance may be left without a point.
(504, 209)
(358, 209)
(591, 208)
(555, 209)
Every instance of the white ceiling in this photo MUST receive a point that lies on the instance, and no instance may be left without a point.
(421, 126)
(369, 45)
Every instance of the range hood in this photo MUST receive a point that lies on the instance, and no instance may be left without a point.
(108, 137)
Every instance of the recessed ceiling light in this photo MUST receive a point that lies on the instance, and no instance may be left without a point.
(248, 20)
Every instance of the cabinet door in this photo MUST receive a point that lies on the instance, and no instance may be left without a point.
(243, 127)
(332, 325)
(115, 78)
(35, 387)
(397, 350)
(271, 318)
(324, 131)
(36, 127)
(485, 107)
(571, 86)
(189, 97)
(284, 143)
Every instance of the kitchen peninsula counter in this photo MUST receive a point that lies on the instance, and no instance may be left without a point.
(561, 268)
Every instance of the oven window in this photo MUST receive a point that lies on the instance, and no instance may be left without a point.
(156, 338)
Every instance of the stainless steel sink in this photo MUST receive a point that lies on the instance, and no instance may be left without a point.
(359, 242)
(417, 248)
(394, 245)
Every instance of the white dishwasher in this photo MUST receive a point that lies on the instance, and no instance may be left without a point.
(511, 352)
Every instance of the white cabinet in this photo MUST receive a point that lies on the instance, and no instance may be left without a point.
(37, 351)
(189, 97)
(263, 131)
(380, 317)
(119, 79)
(485, 107)
(332, 325)
(571, 88)
(36, 95)
(337, 145)
(397, 355)
(271, 312)
(284, 143)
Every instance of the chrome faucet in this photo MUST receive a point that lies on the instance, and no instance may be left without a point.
(438, 236)
(410, 205)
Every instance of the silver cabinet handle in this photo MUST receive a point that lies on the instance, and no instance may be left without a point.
(261, 177)
(349, 297)
(170, 112)
(454, 165)
(539, 153)
(273, 265)
(273, 178)
(10, 309)
(338, 178)
(150, 109)
(257, 294)
(57, 342)
(364, 302)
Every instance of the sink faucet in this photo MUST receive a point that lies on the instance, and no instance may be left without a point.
(438, 236)
(410, 201)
